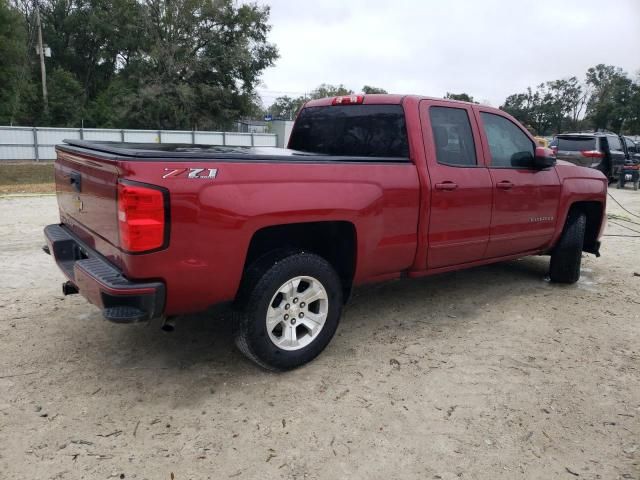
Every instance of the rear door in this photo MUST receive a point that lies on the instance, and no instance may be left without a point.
(461, 189)
(525, 199)
(617, 153)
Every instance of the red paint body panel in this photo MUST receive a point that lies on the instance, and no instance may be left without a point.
(403, 224)
(212, 222)
(459, 217)
(524, 214)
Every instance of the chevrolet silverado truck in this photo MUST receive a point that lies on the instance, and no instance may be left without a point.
(371, 188)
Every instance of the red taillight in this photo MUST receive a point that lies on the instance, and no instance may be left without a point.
(141, 217)
(592, 154)
(348, 100)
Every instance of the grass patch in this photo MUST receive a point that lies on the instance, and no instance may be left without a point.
(26, 173)
(35, 188)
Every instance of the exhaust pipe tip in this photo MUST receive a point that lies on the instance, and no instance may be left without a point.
(69, 288)
(168, 325)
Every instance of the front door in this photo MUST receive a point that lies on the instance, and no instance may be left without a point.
(460, 185)
(525, 199)
(617, 153)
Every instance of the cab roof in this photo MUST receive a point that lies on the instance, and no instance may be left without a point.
(381, 99)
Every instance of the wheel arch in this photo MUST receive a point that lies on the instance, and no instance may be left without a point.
(594, 212)
(335, 241)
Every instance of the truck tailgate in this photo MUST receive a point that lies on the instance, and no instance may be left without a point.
(87, 195)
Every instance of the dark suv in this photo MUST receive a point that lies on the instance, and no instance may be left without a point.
(604, 151)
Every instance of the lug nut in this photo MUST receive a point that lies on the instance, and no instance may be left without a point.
(287, 306)
(293, 321)
(301, 315)
(295, 300)
(302, 304)
(286, 317)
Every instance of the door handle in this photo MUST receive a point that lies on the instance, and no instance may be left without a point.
(446, 186)
(505, 185)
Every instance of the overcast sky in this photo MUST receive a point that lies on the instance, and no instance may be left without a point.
(487, 48)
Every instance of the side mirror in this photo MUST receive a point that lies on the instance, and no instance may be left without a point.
(545, 158)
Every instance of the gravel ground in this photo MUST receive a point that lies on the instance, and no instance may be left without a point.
(489, 373)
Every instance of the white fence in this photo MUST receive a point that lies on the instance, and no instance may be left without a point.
(37, 143)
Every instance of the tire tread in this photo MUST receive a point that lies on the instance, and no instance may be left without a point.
(260, 280)
(566, 256)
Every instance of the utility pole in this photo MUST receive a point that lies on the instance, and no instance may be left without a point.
(43, 69)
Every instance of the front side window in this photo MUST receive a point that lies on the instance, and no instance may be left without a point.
(509, 146)
(453, 136)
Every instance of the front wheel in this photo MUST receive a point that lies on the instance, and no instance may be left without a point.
(566, 256)
(289, 311)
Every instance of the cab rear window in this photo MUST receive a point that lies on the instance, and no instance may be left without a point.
(352, 131)
(576, 144)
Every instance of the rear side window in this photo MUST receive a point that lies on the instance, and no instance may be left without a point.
(614, 143)
(453, 137)
(576, 144)
(352, 130)
(509, 146)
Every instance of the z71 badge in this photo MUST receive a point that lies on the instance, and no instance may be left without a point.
(191, 172)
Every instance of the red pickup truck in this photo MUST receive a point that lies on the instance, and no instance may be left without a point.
(371, 188)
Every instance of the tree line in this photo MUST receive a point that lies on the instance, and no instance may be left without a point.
(174, 64)
(607, 99)
(196, 64)
(285, 107)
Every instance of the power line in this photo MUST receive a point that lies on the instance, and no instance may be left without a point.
(620, 205)
(612, 216)
(624, 226)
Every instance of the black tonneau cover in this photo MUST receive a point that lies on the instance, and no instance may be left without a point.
(184, 151)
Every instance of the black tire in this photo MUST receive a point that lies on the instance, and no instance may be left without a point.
(566, 256)
(261, 283)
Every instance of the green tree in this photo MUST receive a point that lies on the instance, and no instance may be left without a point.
(200, 66)
(93, 39)
(632, 124)
(64, 92)
(613, 98)
(369, 90)
(464, 97)
(550, 107)
(286, 107)
(16, 89)
(153, 63)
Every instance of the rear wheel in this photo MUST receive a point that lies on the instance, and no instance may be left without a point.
(289, 311)
(566, 256)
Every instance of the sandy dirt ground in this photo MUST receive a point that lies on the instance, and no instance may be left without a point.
(489, 373)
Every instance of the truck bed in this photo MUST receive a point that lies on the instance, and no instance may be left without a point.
(187, 151)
